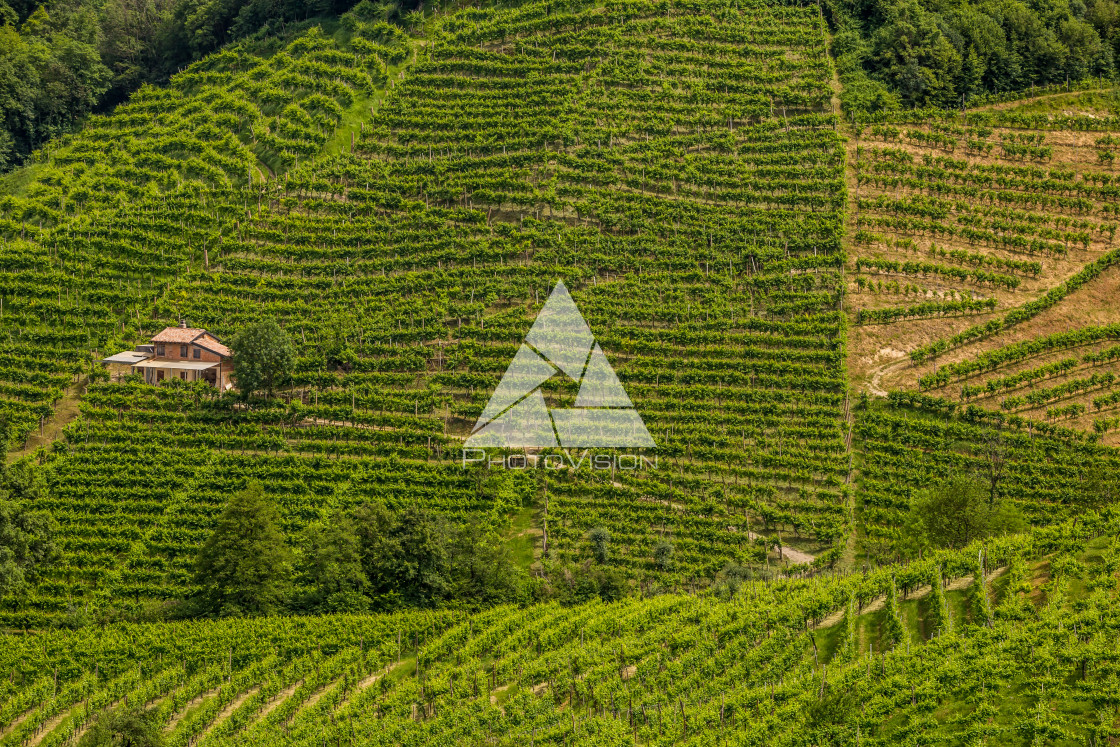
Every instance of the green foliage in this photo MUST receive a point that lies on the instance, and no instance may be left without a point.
(27, 536)
(366, 558)
(848, 649)
(571, 584)
(196, 28)
(63, 60)
(263, 355)
(406, 555)
(894, 631)
(390, 266)
(1014, 599)
(599, 540)
(244, 568)
(733, 575)
(330, 563)
(918, 53)
(954, 513)
(124, 727)
(939, 620)
(834, 708)
(1101, 489)
(26, 544)
(977, 598)
(50, 77)
(419, 558)
(712, 667)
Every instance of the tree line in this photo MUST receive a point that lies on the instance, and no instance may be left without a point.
(377, 558)
(61, 60)
(894, 54)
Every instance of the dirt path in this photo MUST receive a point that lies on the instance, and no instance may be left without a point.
(788, 553)
(51, 724)
(227, 712)
(625, 673)
(318, 695)
(877, 604)
(262, 168)
(276, 700)
(375, 677)
(5, 731)
(874, 385)
(494, 696)
(64, 413)
(363, 684)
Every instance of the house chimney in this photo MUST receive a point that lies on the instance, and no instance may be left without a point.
(182, 324)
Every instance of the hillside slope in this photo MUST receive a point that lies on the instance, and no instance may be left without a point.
(403, 205)
(975, 235)
(1025, 657)
(677, 168)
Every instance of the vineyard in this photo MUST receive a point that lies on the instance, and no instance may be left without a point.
(81, 270)
(820, 319)
(916, 441)
(979, 231)
(673, 165)
(1026, 652)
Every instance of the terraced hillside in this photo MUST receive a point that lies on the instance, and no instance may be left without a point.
(676, 166)
(82, 267)
(1024, 656)
(403, 204)
(983, 270)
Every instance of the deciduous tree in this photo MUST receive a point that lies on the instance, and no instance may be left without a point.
(263, 355)
(245, 566)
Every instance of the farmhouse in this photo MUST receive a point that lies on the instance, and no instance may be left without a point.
(182, 352)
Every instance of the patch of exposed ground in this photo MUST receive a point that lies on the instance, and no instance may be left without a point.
(1092, 305)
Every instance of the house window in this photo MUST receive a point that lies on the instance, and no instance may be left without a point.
(159, 350)
(182, 351)
(197, 353)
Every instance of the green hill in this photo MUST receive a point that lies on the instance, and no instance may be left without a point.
(1026, 659)
(522, 147)
(758, 269)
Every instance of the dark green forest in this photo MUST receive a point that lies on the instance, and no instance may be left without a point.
(63, 59)
(894, 54)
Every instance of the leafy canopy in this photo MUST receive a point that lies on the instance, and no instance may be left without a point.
(954, 513)
(124, 727)
(263, 356)
(245, 566)
(26, 535)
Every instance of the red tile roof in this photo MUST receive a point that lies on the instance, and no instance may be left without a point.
(185, 335)
(178, 334)
(214, 347)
